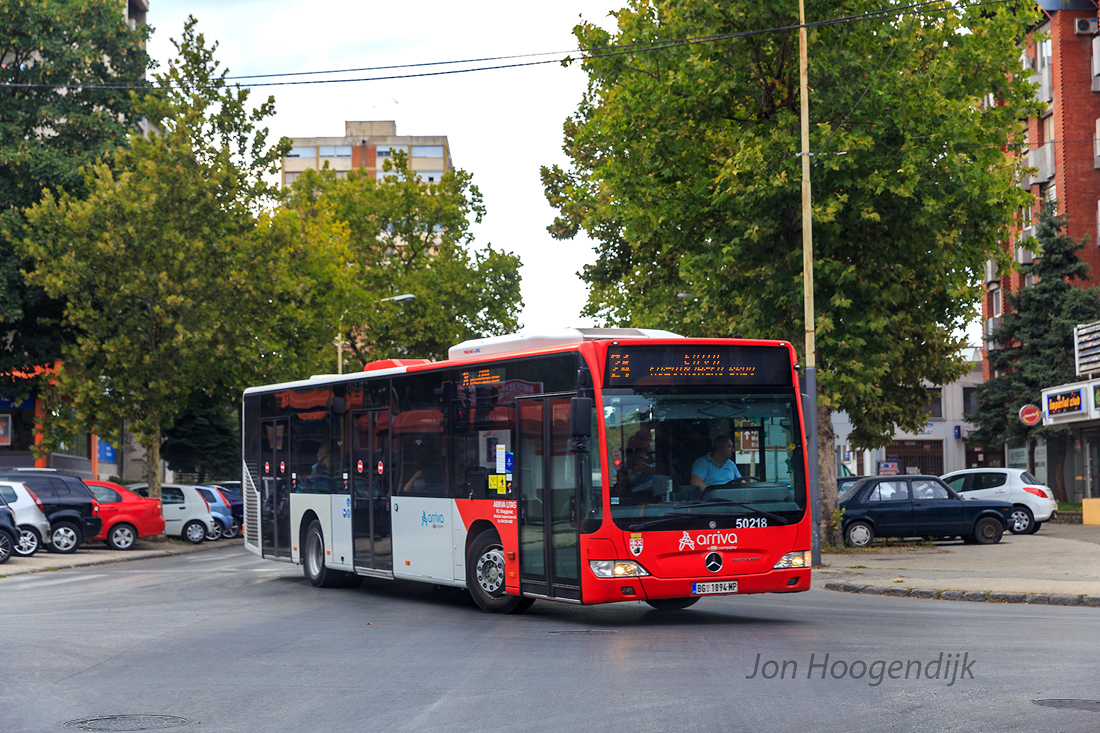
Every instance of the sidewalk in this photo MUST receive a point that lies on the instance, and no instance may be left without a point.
(97, 553)
(1060, 564)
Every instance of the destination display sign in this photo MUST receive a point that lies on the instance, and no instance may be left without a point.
(700, 365)
(487, 375)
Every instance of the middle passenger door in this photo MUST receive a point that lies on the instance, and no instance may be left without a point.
(370, 490)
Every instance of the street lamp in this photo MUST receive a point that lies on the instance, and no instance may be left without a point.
(341, 344)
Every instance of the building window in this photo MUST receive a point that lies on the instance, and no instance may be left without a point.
(335, 151)
(1043, 49)
(935, 404)
(995, 302)
(427, 151)
(970, 400)
(288, 178)
(431, 176)
(302, 151)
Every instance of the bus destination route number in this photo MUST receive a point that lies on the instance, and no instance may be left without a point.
(671, 365)
(475, 377)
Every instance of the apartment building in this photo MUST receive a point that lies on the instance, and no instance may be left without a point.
(1064, 146)
(368, 145)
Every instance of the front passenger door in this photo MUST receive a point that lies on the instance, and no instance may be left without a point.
(936, 511)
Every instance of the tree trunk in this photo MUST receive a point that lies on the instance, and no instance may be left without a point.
(152, 465)
(1058, 465)
(826, 477)
(1031, 456)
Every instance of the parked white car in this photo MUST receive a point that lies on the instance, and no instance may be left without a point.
(34, 528)
(186, 513)
(1032, 503)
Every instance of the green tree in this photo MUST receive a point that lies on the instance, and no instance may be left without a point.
(686, 172)
(176, 279)
(410, 236)
(47, 132)
(1035, 345)
(205, 438)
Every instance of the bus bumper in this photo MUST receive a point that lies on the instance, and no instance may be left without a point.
(611, 590)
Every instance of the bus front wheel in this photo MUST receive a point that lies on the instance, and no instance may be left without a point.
(485, 576)
(319, 574)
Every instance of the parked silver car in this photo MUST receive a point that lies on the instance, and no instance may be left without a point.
(1032, 503)
(34, 528)
(186, 513)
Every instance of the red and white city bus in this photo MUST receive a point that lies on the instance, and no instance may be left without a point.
(561, 466)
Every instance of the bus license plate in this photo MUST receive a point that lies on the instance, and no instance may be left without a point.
(706, 589)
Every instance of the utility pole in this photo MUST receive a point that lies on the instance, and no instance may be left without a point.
(808, 288)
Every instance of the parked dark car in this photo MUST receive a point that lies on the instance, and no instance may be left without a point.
(8, 532)
(66, 501)
(918, 506)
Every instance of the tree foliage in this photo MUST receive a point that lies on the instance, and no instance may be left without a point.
(205, 438)
(174, 283)
(410, 236)
(1035, 341)
(686, 171)
(47, 132)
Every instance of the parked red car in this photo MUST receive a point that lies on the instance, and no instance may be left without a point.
(126, 516)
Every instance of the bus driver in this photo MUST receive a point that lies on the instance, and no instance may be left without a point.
(717, 468)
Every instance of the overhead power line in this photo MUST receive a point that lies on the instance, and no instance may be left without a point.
(559, 56)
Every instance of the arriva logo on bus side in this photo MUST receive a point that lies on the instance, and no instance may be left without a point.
(435, 521)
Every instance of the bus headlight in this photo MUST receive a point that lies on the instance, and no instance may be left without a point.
(800, 559)
(617, 569)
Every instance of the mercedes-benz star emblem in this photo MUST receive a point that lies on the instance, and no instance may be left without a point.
(714, 562)
(713, 524)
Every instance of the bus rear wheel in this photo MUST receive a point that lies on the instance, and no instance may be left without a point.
(485, 576)
(319, 574)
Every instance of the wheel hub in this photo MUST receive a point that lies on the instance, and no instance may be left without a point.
(490, 571)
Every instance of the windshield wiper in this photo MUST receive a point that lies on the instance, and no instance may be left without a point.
(662, 520)
(750, 507)
(782, 521)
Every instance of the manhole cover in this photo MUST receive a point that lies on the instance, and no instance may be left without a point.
(127, 722)
(1093, 706)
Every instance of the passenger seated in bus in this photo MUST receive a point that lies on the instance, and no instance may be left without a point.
(319, 476)
(716, 468)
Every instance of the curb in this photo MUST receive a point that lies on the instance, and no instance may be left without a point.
(1053, 599)
(9, 571)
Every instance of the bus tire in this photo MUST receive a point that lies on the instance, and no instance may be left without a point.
(485, 576)
(317, 572)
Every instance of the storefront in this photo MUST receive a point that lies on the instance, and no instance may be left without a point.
(1076, 406)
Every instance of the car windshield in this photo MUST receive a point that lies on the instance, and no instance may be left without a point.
(685, 460)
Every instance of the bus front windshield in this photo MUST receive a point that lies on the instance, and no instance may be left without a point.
(681, 460)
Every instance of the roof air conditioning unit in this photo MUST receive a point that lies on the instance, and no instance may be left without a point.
(1084, 26)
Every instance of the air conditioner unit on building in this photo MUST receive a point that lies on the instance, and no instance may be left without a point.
(1084, 26)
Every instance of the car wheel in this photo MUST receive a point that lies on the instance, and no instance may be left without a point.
(673, 604)
(193, 532)
(485, 576)
(215, 532)
(859, 534)
(232, 531)
(122, 536)
(29, 542)
(65, 538)
(988, 531)
(1035, 527)
(1021, 520)
(317, 572)
(7, 546)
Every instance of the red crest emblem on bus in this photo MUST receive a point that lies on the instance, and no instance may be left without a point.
(636, 544)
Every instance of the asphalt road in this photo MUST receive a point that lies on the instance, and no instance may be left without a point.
(228, 642)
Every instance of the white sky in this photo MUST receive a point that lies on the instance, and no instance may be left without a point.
(502, 125)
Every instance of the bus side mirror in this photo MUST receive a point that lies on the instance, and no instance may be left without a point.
(580, 420)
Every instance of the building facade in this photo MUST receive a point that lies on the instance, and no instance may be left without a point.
(1064, 147)
(368, 145)
(939, 448)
